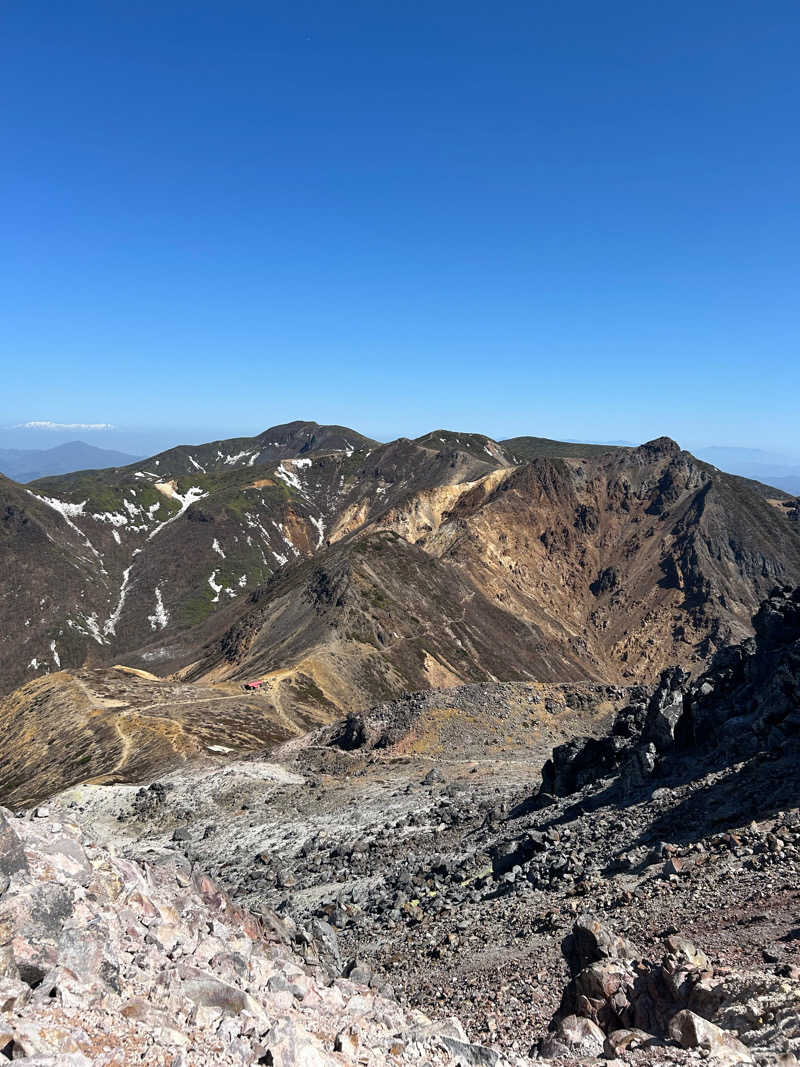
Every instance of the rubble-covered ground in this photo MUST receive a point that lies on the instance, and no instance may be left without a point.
(105, 962)
(638, 898)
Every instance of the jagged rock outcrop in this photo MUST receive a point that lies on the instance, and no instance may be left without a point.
(618, 1000)
(106, 962)
(747, 703)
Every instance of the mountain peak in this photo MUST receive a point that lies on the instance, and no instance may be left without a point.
(293, 427)
(662, 446)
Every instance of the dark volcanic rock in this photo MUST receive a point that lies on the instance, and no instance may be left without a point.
(748, 702)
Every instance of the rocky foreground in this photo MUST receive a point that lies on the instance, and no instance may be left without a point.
(638, 900)
(107, 962)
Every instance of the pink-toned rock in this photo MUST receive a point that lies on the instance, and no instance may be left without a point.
(14, 994)
(574, 1036)
(108, 963)
(692, 1031)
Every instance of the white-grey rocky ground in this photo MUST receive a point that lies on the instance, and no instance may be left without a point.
(636, 898)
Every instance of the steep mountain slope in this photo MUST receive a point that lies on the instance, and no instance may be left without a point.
(599, 564)
(601, 569)
(627, 559)
(127, 552)
(166, 548)
(376, 616)
(47, 566)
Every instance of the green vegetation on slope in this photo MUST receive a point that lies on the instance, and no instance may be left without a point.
(528, 448)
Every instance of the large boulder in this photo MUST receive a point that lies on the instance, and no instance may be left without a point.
(12, 854)
(590, 941)
(573, 1036)
(632, 1002)
(692, 1031)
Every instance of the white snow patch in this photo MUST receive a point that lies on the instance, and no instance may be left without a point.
(243, 581)
(289, 477)
(66, 507)
(110, 625)
(56, 658)
(112, 517)
(156, 653)
(67, 511)
(300, 462)
(212, 581)
(319, 524)
(217, 549)
(281, 559)
(160, 617)
(117, 538)
(34, 664)
(196, 465)
(93, 626)
(191, 495)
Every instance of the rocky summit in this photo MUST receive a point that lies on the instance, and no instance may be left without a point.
(445, 751)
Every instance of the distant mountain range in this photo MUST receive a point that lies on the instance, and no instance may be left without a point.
(27, 464)
(770, 467)
(345, 571)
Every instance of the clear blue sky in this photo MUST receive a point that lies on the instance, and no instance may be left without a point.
(569, 219)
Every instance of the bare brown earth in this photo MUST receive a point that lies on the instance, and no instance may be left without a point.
(613, 560)
(630, 559)
(108, 725)
(602, 568)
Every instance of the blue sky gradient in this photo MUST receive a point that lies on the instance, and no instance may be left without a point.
(577, 220)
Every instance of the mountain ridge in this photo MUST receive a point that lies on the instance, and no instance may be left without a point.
(28, 464)
(137, 562)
